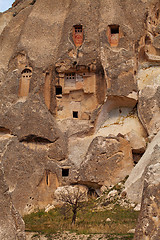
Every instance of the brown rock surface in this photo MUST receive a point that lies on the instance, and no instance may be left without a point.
(31, 176)
(30, 118)
(148, 226)
(138, 143)
(40, 117)
(108, 161)
(149, 49)
(149, 108)
(11, 224)
(135, 182)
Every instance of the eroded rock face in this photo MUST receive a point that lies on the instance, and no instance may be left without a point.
(148, 226)
(11, 224)
(30, 118)
(149, 43)
(138, 143)
(28, 170)
(149, 108)
(108, 161)
(135, 182)
(119, 120)
(67, 69)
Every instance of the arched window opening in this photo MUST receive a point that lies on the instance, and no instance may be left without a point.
(26, 75)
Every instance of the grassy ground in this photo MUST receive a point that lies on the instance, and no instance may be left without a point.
(89, 221)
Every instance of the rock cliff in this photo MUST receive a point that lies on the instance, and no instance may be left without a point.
(11, 224)
(79, 96)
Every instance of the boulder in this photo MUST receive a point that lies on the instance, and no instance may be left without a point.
(137, 142)
(149, 108)
(30, 118)
(135, 182)
(78, 148)
(148, 76)
(30, 176)
(148, 226)
(11, 224)
(119, 120)
(58, 150)
(108, 161)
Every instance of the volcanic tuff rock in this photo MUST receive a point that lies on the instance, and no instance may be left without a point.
(149, 108)
(108, 161)
(11, 224)
(138, 144)
(29, 170)
(148, 226)
(135, 182)
(30, 117)
(57, 91)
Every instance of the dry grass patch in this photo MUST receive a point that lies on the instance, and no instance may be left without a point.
(89, 221)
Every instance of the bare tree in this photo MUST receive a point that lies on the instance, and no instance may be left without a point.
(72, 196)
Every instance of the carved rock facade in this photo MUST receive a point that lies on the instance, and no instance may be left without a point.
(74, 82)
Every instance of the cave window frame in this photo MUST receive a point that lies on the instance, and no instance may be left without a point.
(77, 35)
(113, 34)
(57, 88)
(26, 71)
(75, 114)
(65, 172)
(24, 83)
(70, 80)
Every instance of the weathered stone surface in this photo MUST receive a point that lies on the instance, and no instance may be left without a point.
(148, 76)
(58, 150)
(108, 161)
(28, 170)
(45, 47)
(138, 143)
(30, 118)
(119, 120)
(118, 61)
(4, 20)
(11, 224)
(135, 182)
(148, 226)
(79, 128)
(114, 48)
(10, 37)
(149, 108)
(78, 147)
(156, 41)
(149, 47)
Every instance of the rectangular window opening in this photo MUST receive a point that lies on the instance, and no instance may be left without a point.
(77, 35)
(70, 80)
(114, 29)
(58, 90)
(65, 172)
(75, 114)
